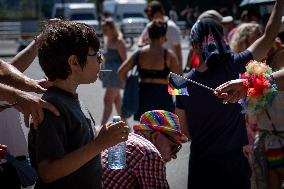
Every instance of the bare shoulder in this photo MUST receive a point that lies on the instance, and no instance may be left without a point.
(120, 42)
(171, 54)
(145, 49)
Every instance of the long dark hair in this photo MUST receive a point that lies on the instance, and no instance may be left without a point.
(157, 29)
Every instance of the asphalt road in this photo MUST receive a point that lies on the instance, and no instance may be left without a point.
(92, 97)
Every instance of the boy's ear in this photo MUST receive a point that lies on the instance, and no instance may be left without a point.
(73, 62)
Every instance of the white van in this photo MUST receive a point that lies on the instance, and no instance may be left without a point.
(79, 12)
(129, 14)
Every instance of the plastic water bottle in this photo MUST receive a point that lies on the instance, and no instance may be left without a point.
(117, 154)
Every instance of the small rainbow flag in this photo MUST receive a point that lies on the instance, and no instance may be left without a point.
(275, 157)
(177, 85)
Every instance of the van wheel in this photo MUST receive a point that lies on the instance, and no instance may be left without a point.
(129, 42)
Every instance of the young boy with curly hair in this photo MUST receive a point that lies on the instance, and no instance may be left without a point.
(64, 149)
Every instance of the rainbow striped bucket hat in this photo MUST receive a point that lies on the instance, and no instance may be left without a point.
(162, 121)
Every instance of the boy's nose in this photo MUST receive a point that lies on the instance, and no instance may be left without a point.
(174, 156)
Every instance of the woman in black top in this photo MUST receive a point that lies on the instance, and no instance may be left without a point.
(155, 64)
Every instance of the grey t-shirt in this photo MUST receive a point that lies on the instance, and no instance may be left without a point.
(59, 136)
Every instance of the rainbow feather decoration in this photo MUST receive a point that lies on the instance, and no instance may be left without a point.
(177, 85)
(261, 87)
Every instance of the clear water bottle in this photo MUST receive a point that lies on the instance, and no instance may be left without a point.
(117, 153)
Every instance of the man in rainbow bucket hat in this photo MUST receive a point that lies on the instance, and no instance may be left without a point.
(155, 141)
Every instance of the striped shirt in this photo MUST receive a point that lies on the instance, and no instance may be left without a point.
(145, 167)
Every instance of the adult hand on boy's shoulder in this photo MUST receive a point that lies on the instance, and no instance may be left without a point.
(32, 105)
(44, 83)
(40, 86)
(112, 134)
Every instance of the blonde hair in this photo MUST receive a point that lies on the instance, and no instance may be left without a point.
(240, 40)
(110, 23)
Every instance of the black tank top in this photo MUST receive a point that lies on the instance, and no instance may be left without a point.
(155, 74)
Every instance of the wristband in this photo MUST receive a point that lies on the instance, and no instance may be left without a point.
(37, 39)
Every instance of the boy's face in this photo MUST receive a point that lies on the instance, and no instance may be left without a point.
(90, 73)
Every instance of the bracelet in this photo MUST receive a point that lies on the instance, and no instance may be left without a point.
(261, 88)
(36, 39)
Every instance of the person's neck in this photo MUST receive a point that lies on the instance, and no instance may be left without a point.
(112, 38)
(66, 85)
(156, 44)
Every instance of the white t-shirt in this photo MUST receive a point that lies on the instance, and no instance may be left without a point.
(11, 132)
(173, 34)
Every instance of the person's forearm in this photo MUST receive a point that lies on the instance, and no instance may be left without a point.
(9, 75)
(274, 22)
(122, 78)
(122, 74)
(24, 58)
(52, 170)
(9, 94)
(279, 79)
(261, 46)
(188, 61)
(179, 57)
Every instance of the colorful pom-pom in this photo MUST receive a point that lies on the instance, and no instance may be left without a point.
(261, 88)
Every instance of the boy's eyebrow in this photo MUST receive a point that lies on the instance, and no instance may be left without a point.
(95, 53)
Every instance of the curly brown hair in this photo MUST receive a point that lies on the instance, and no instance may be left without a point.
(62, 39)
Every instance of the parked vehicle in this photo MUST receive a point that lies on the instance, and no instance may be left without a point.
(79, 12)
(130, 16)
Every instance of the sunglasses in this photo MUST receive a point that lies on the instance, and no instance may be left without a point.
(99, 57)
(176, 148)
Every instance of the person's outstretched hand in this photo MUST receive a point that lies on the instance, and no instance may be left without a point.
(33, 106)
(112, 134)
(231, 91)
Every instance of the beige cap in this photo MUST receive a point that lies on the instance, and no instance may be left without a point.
(213, 14)
(227, 19)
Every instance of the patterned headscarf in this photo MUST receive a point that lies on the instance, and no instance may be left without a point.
(162, 121)
(209, 35)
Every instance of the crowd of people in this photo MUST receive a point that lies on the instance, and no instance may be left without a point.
(229, 149)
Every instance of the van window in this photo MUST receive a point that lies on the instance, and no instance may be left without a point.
(59, 13)
(82, 17)
(133, 15)
(109, 7)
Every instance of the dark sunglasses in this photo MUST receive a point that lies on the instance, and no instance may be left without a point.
(176, 148)
(98, 56)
